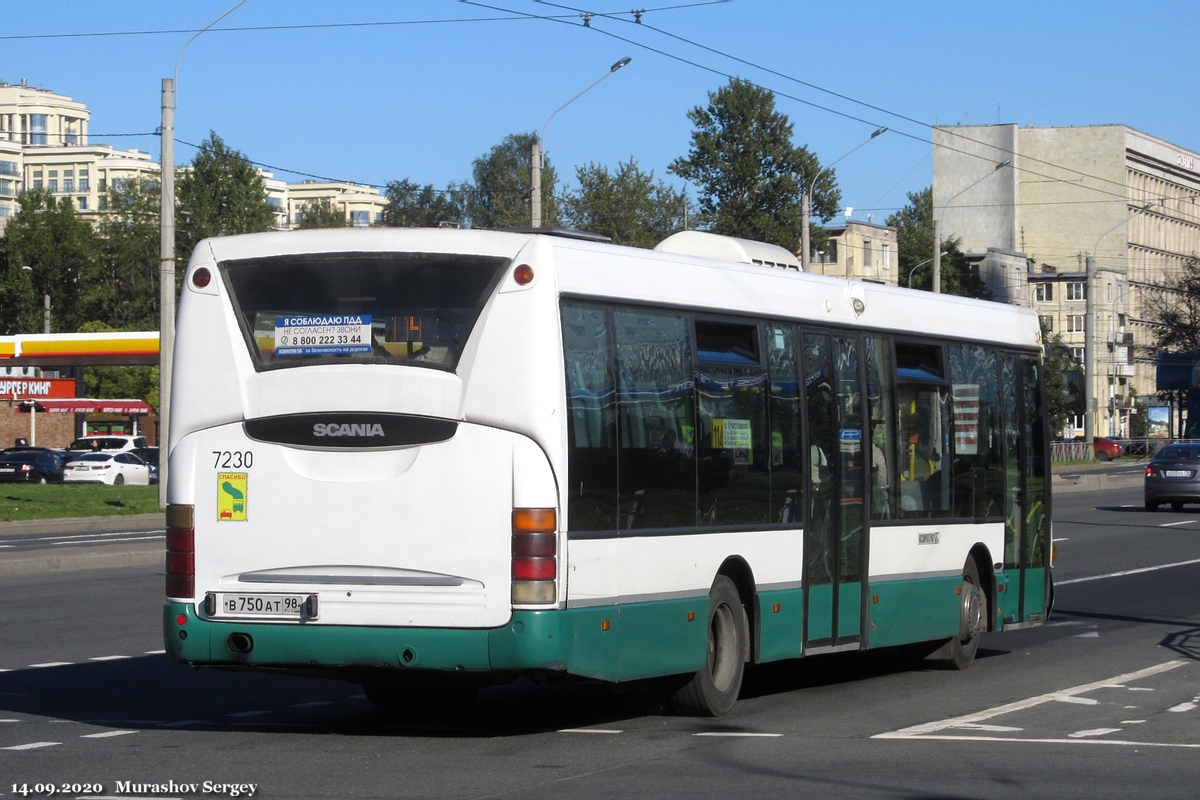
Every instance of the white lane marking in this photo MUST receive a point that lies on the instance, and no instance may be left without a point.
(51, 664)
(1013, 739)
(106, 734)
(1066, 695)
(31, 746)
(1132, 721)
(106, 658)
(737, 735)
(1093, 732)
(106, 541)
(156, 652)
(10, 720)
(975, 726)
(1088, 635)
(1181, 522)
(589, 730)
(1128, 572)
(78, 537)
(1079, 701)
(1183, 707)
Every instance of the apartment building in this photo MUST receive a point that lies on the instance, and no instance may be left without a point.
(1059, 196)
(44, 145)
(861, 250)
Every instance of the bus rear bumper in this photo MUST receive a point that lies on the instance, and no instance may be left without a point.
(531, 641)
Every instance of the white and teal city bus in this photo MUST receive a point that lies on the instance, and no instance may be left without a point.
(416, 458)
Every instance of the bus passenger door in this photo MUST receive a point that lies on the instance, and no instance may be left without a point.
(834, 531)
(1027, 512)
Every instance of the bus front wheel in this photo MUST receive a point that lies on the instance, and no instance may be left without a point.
(714, 688)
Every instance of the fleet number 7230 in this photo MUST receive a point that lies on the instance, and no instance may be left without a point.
(233, 459)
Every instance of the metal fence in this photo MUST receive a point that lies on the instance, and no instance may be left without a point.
(1132, 448)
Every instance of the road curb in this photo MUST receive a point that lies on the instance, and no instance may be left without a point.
(116, 522)
(133, 555)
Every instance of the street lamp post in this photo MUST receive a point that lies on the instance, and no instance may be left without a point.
(535, 192)
(166, 262)
(1089, 334)
(923, 263)
(937, 223)
(806, 199)
(45, 306)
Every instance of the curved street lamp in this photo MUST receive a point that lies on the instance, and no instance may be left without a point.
(535, 192)
(806, 199)
(45, 306)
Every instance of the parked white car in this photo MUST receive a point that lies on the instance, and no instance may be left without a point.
(105, 443)
(113, 469)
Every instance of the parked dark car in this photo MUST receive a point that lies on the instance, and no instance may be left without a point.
(150, 456)
(31, 466)
(1106, 449)
(1173, 476)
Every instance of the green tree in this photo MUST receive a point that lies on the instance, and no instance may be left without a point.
(914, 239)
(1058, 365)
(751, 176)
(139, 383)
(62, 251)
(125, 294)
(219, 195)
(412, 206)
(1173, 311)
(501, 181)
(628, 206)
(322, 214)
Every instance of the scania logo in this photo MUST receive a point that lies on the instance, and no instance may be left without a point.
(355, 429)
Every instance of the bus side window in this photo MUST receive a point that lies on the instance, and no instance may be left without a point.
(657, 458)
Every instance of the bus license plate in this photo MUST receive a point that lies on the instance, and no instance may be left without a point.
(280, 606)
(1177, 473)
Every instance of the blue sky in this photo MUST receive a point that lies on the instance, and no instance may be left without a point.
(418, 89)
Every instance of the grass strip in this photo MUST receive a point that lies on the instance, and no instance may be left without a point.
(53, 500)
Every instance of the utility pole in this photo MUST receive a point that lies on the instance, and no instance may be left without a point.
(1089, 356)
(937, 256)
(166, 281)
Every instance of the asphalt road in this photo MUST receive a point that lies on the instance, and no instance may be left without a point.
(1101, 702)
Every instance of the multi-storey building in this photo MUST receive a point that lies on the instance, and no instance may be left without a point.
(1061, 196)
(44, 145)
(862, 250)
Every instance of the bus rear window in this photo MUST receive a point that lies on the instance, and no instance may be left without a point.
(359, 308)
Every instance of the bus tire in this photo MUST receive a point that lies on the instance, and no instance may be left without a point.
(714, 688)
(972, 619)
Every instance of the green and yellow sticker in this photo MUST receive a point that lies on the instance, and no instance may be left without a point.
(231, 496)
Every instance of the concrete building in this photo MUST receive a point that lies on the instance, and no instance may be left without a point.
(860, 250)
(1067, 194)
(44, 145)
(362, 206)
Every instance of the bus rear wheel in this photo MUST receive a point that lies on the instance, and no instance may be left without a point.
(714, 688)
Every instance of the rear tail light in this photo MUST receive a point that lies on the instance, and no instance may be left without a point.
(534, 555)
(1149, 471)
(181, 551)
(26, 468)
